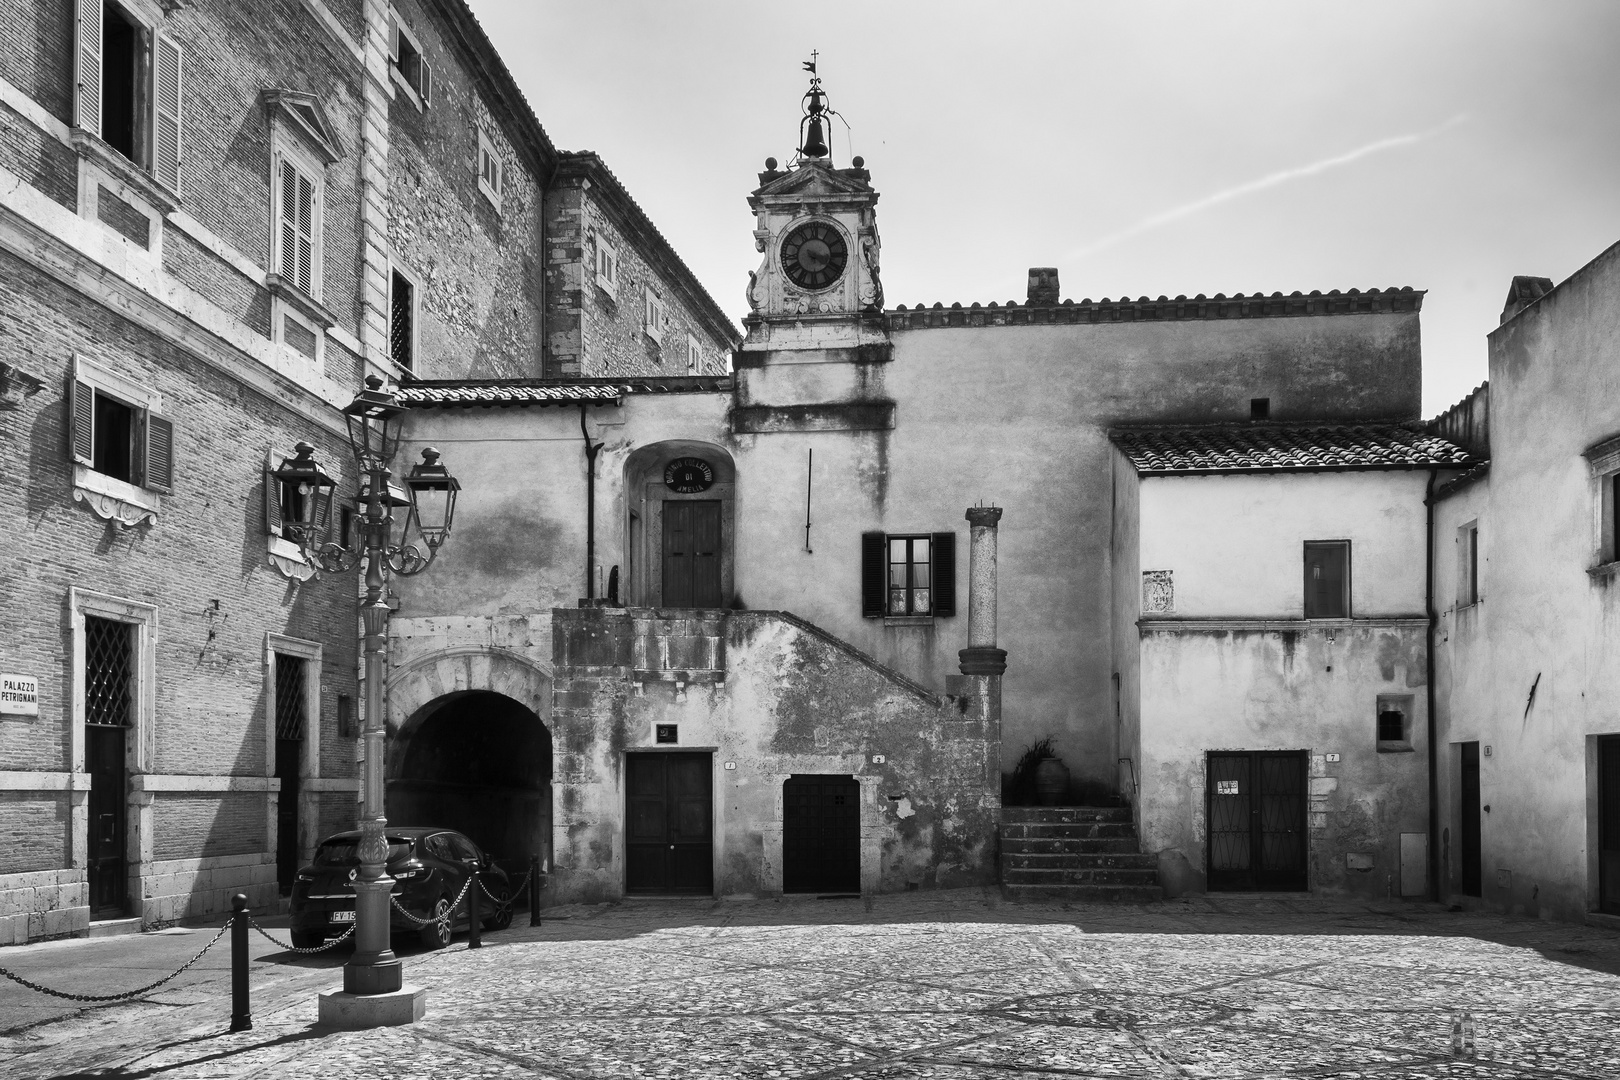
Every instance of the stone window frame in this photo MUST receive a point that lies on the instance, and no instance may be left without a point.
(312, 653)
(1603, 468)
(1468, 565)
(694, 354)
(419, 93)
(607, 264)
(415, 282)
(490, 169)
(655, 314)
(109, 498)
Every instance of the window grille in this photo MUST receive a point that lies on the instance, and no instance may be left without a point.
(109, 676)
(290, 713)
(401, 332)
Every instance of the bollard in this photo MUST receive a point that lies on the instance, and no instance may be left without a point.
(241, 1017)
(534, 890)
(475, 927)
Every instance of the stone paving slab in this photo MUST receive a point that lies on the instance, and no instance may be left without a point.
(947, 986)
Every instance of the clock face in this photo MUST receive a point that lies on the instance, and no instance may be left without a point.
(688, 475)
(814, 255)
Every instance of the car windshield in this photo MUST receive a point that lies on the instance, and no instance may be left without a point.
(347, 852)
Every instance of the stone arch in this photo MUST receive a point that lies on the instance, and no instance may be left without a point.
(646, 499)
(470, 667)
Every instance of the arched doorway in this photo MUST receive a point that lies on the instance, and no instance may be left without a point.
(480, 763)
(679, 524)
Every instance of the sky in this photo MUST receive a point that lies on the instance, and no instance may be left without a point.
(1142, 149)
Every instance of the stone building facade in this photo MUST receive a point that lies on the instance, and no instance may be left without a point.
(215, 220)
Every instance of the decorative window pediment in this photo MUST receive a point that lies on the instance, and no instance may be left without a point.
(304, 114)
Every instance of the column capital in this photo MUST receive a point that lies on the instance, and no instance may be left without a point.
(985, 516)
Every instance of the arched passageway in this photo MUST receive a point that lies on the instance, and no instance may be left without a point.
(478, 762)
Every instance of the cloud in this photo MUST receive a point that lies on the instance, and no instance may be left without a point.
(1271, 180)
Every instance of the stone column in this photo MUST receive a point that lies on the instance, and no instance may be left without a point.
(981, 661)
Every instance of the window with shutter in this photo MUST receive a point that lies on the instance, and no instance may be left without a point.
(607, 266)
(407, 67)
(123, 449)
(908, 576)
(490, 173)
(166, 113)
(298, 228)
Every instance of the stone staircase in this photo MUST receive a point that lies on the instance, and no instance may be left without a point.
(1082, 853)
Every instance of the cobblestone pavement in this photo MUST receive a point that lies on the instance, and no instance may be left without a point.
(946, 985)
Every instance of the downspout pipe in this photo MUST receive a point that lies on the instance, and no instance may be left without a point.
(1433, 726)
(591, 450)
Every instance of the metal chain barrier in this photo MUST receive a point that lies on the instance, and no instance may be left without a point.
(346, 935)
(14, 977)
(511, 898)
(434, 919)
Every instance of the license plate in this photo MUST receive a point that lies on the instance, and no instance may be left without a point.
(343, 916)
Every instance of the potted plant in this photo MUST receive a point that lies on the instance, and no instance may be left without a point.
(1039, 778)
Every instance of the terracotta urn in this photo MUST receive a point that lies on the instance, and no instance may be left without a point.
(1051, 781)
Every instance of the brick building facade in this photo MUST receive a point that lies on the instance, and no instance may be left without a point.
(215, 220)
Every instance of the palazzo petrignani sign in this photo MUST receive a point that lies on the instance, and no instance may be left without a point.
(19, 695)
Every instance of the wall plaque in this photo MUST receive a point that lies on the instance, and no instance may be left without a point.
(19, 695)
(688, 475)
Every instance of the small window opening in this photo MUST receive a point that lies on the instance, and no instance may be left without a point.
(1327, 579)
(1391, 726)
(410, 63)
(122, 91)
(1260, 408)
(114, 439)
(1394, 726)
(401, 334)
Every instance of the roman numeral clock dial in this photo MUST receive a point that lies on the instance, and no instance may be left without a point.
(814, 255)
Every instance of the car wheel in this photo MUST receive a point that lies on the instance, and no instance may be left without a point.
(436, 934)
(503, 915)
(307, 939)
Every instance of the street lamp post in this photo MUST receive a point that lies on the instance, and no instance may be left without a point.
(374, 421)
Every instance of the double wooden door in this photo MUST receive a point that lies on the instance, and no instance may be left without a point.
(692, 553)
(1257, 821)
(821, 834)
(669, 834)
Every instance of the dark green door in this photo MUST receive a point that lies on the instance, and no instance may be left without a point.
(1609, 824)
(669, 814)
(1468, 822)
(692, 553)
(821, 834)
(1257, 821)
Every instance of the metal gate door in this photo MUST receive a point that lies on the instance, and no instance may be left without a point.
(1609, 824)
(1256, 815)
(821, 834)
(109, 699)
(668, 823)
(1468, 820)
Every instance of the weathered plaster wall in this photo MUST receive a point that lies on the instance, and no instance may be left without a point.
(1545, 621)
(1270, 688)
(1126, 562)
(1235, 543)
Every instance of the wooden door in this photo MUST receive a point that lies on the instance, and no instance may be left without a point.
(289, 753)
(669, 815)
(1609, 825)
(821, 834)
(1468, 822)
(692, 553)
(104, 758)
(1257, 821)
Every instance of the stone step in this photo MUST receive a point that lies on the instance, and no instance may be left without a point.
(114, 927)
(1121, 860)
(1085, 894)
(1017, 815)
(1068, 830)
(1120, 845)
(1101, 876)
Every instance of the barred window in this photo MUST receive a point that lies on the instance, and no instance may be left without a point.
(291, 715)
(109, 674)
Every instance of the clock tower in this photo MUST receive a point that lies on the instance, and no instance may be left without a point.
(817, 286)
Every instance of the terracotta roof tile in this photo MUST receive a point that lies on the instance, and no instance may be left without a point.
(1266, 447)
(1164, 309)
(524, 393)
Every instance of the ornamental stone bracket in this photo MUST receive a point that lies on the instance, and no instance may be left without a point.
(291, 564)
(109, 508)
(17, 386)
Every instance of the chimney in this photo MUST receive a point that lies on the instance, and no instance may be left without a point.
(1521, 294)
(1043, 285)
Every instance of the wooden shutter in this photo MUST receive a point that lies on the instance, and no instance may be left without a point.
(874, 574)
(157, 453)
(288, 221)
(944, 567)
(82, 410)
(306, 234)
(272, 501)
(166, 112)
(426, 89)
(87, 67)
(297, 263)
(393, 38)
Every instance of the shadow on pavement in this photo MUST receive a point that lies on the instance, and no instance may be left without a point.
(124, 1073)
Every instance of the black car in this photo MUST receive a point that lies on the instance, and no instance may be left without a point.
(429, 868)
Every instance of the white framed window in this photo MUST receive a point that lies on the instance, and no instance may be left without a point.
(297, 194)
(409, 71)
(1603, 465)
(403, 309)
(1468, 564)
(694, 354)
(134, 670)
(491, 170)
(127, 80)
(607, 266)
(121, 444)
(655, 315)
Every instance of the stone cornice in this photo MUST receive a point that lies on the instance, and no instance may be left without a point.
(1181, 309)
(1218, 624)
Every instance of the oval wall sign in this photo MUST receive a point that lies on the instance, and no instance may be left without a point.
(688, 475)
